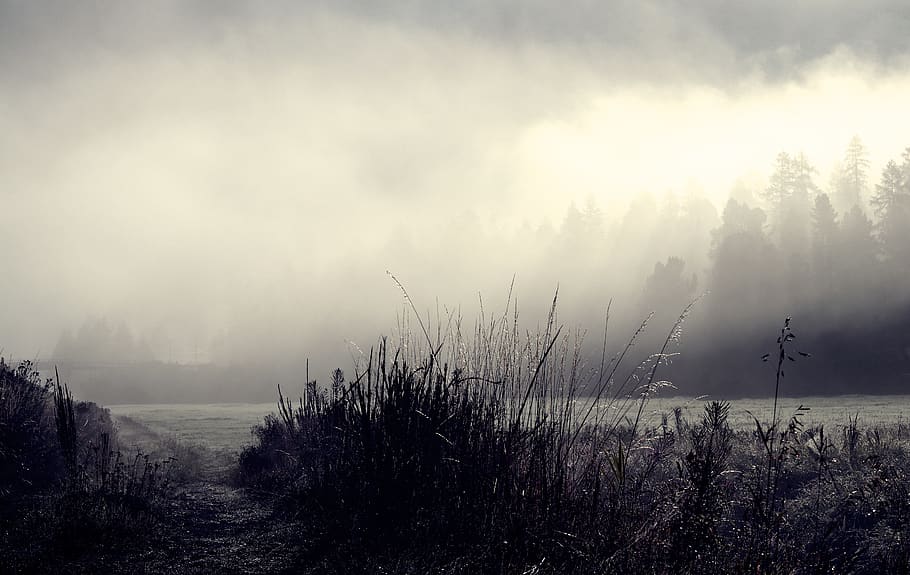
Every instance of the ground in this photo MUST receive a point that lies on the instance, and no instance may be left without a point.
(216, 528)
(210, 526)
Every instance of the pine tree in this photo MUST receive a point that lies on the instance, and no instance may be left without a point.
(668, 289)
(891, 205)
(779, 189)
(824, 240)
(794, 230)
(859, 242)
(824, 223)
(857, 259)
(853, 181)
(592, 219)
(742, 277)
(738, 218)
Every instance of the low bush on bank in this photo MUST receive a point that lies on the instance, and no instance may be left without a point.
(67, 492)
(29, 456)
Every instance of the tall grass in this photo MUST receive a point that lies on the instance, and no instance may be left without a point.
(502, 443)
(66, 490)
(503, 451)
(28, 455)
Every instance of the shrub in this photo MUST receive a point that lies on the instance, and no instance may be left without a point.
(29, 457)
(66, 490)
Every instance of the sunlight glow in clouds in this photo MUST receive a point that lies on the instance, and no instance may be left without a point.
(628, 142)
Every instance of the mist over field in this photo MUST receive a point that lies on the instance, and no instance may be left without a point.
(477, 287)
(198, 198)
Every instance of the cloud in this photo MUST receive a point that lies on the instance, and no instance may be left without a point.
(653, 40)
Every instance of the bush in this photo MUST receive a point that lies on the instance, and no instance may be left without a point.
(29, 457)
(66, 490)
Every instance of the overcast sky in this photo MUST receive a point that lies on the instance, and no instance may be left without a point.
(185, 165)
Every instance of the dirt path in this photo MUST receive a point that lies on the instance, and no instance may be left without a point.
(211, 526)
(214, 528)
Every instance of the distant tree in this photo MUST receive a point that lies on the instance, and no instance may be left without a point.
(824, 222)
(856, 165)
(787, 195)
(743, 278)
(794, 223)
(824, 240)
(738, 218)
(699, 213)
(665, 239)
(578, 247)
(668, 289)
(66, 346)
(698, 217)
(857, 260)
(743, 191)
(851, 183)
(639, 227)
(859, 242)
(570, 238)
(592, 220)
(640, 219)
(780, 187)
(803, 173)
(891, 205)
(573, 225)
(121, 344)
(668, 214)
(93, 340)
(96, 341)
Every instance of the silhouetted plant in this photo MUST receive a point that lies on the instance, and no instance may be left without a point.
(65, 420)
(28, 456)
(776, 443)
(73, 491)
(490, 453)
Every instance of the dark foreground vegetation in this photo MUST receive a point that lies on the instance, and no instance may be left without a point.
(68, 495)
(498, 452)
(491, 462)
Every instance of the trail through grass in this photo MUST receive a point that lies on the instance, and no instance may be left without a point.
(210, 525)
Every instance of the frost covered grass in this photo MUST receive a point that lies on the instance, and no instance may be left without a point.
(476, 454)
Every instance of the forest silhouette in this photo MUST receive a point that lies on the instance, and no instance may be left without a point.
(835, 256)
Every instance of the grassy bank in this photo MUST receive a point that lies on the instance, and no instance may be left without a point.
(69, 497)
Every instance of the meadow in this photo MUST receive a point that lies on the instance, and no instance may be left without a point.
(227, 426)
(218, 426)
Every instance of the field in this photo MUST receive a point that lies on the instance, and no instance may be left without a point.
(226, 426)
(218, 426)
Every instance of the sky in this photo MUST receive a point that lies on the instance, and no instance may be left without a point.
(199, 169)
